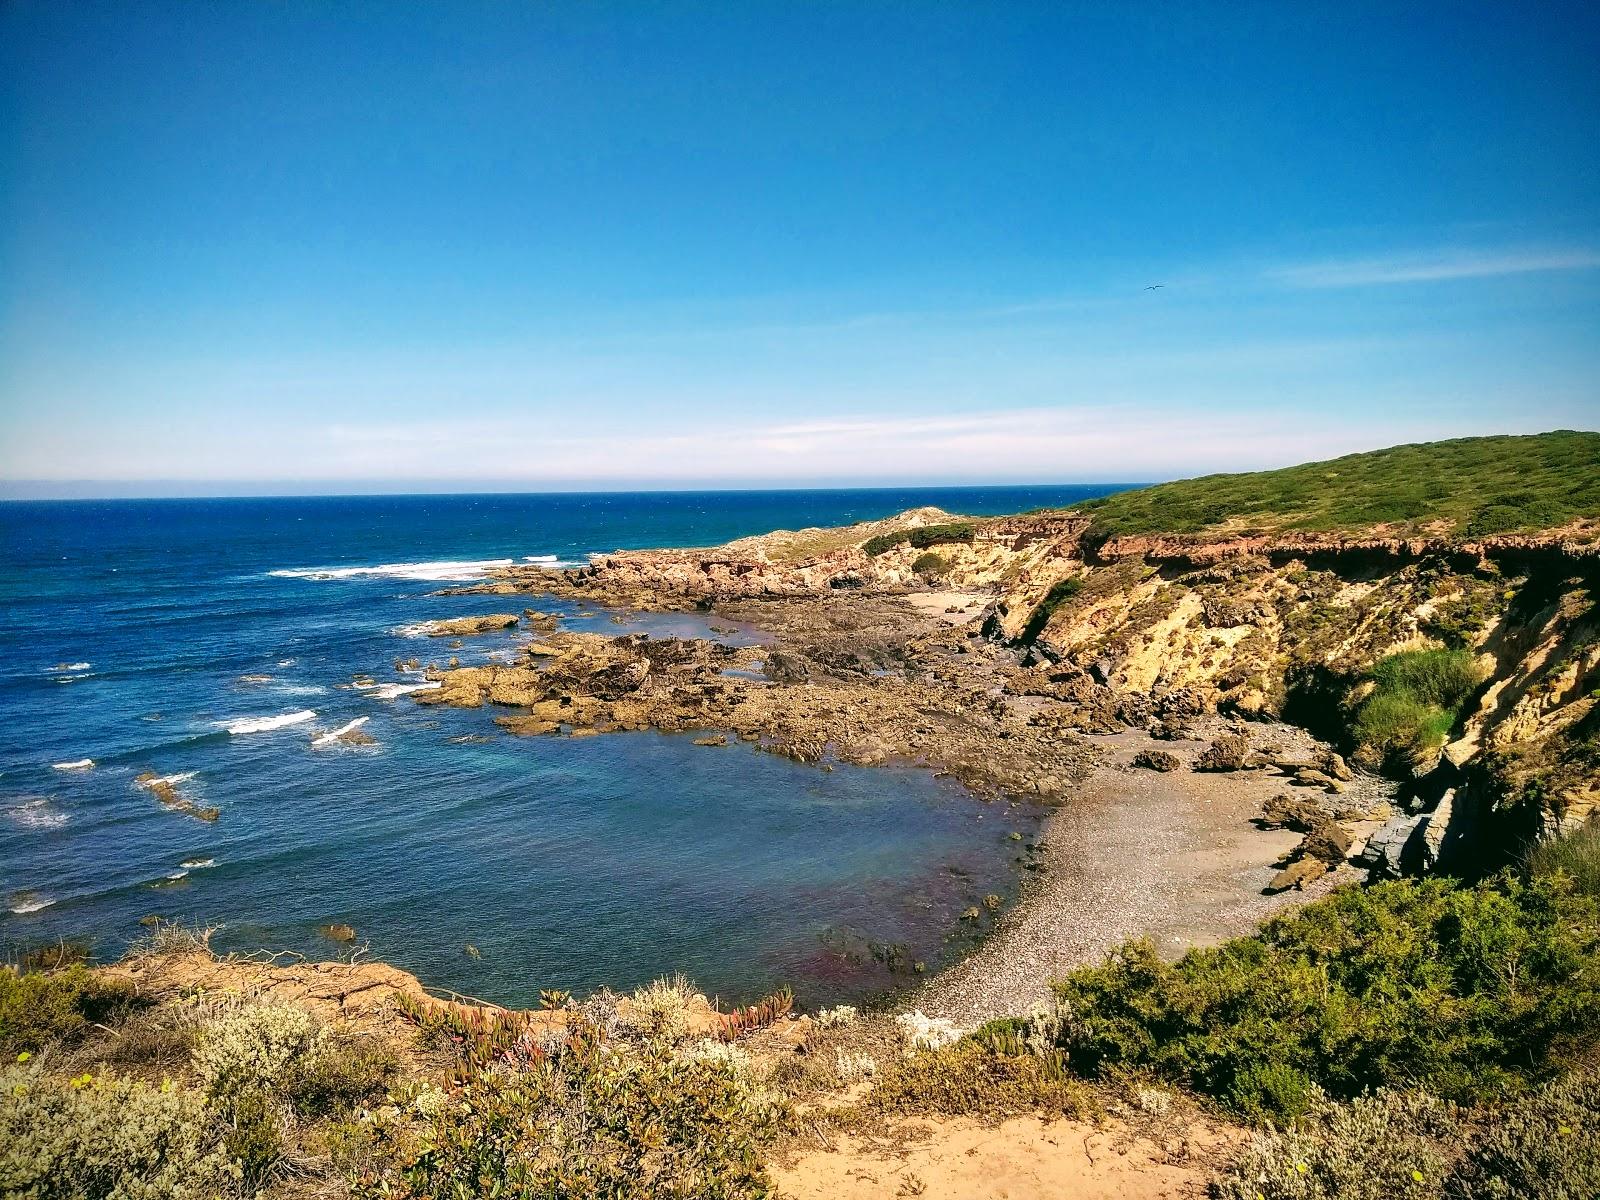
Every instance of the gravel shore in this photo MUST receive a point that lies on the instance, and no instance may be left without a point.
(1172, 856)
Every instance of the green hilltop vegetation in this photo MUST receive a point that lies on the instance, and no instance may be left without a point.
(1480, 486)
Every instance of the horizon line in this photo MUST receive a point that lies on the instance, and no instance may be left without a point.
(7, 496)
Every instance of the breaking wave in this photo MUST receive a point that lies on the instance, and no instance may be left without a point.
(29, 902)
(80, 764)
(390, 691)
(446, 570)
(173, 780)
(263, 724)
(328, 739)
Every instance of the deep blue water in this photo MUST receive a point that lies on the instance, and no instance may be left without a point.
(127, 631)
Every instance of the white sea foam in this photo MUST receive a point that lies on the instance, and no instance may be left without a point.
(391, 691)
(329, 738)
(74, 678)
(197, 864)
(81, 764)
(287, 662)
(31, 903)
(263, 724)
(37, 814)
(60, 667)
(176, 874)
(442, 571)
(299, 689)
(173, 780)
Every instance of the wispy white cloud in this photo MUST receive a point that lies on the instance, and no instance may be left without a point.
(1433, 267)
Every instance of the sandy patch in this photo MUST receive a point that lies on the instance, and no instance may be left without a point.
(966, 605)
(1025, 1158)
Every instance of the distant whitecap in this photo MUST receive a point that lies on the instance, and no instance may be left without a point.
(78, 764)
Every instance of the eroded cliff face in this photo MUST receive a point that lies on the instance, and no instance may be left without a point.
(1282, 630)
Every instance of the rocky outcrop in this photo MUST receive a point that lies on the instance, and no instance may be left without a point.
(467, 626)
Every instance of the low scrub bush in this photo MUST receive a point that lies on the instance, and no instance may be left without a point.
(255, 1048)
(61, 1007)
(1384, 1146)
(1545, 1145)
(107, 1138)
(661, 1008)
(971, 1077)
(594, 1118)
(345, 1072)
(931, 563)
(1468, 992)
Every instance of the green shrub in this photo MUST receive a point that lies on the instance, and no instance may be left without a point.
(1384, 1146)
(1060, 592)
(1440, 677)
(1416, 700)
(1468, 992)
(36, 1010)
(921, 537)
(1577, 855)
(594, 1118)
(931, 563)
(1546, 1145)
(107, 1139)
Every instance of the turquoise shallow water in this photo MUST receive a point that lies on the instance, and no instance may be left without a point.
(138, 633)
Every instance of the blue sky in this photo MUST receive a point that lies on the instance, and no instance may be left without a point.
(306, 246)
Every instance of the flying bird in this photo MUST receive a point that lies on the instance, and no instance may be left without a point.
(1154, 286)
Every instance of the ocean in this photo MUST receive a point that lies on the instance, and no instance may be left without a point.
(210, 642)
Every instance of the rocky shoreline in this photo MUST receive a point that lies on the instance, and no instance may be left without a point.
(1186, 810)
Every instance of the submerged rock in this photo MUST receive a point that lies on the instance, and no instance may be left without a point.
(338, 932)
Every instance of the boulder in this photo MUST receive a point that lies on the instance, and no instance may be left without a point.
(1284, 811)
(1297, 874)
(1157, 760)
(1329, 842)
(1227, 753)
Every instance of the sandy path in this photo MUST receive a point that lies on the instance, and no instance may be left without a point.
(1171, 856)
